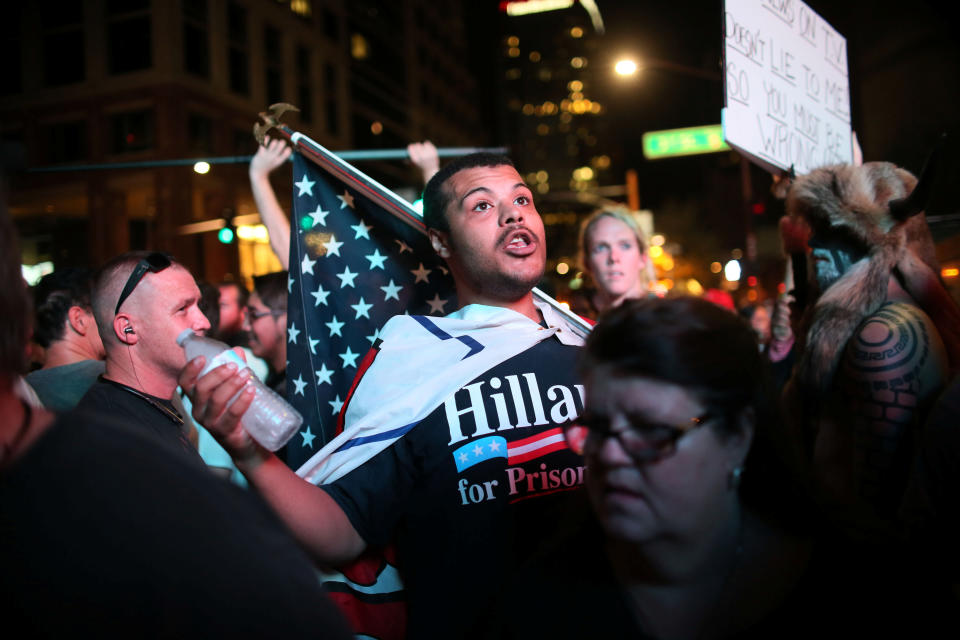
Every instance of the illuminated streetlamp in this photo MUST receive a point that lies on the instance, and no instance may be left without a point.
(625, 67)
(731, 271)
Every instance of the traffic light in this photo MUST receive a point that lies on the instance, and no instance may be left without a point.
(226, 234)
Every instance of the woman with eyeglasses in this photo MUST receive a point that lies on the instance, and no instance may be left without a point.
(698, 525)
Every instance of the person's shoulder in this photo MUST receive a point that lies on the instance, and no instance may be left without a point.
(99, 392)
(897, 343)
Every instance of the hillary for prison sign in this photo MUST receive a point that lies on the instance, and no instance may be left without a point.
(786, 86)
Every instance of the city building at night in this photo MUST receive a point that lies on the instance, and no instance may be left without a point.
(99, 93)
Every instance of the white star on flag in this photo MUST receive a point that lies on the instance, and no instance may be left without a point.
(349, 358)
(319, 216)
(478, 451)
(436, 304)
(307, 265)
(376, 260)
(356, 250)
(494, 446)
(323, 375)
(293, 332)
(362, 309)
(362, 230)
(308, 437)
(347, 277)
(332, 246)
(346, 200)
(335, 327)
(300, 384)
(421, 273)
(306, 186)
(391, 291)
(320, 295)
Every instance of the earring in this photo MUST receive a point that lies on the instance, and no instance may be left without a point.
(734, 477)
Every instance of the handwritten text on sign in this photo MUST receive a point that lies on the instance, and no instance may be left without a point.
(786, 85)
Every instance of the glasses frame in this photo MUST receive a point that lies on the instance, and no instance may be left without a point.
(154, 263)
(255, 315)
(641, 455)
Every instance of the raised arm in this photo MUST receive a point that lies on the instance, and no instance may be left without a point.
(272, 154)
(895, 365)
(315, 519)
(424, 155)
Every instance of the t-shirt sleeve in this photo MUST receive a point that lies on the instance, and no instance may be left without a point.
(374, 494)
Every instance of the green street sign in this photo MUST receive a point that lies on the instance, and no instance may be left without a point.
(688, 141)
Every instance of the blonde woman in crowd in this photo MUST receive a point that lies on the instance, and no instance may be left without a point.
(614, 253)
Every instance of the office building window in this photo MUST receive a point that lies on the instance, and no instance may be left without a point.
(63, 43)
(331, 99)
(131, 131)
(238, 58)
(200, 133)
(129, 42)
(273, 64)
(331, 25)
(10, 52)
(196, 42)
(64, 141)
(304, 92)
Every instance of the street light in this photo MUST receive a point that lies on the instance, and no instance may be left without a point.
(625, 67)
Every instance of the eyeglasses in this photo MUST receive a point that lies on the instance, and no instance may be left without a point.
(256, 315)
(643, 441)
(154, 263)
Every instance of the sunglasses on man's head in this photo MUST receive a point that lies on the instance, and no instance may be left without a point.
(154, 263)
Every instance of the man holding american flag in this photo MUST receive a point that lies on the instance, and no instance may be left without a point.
(451, 447)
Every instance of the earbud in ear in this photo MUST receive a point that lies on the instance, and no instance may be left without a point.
(128, 330)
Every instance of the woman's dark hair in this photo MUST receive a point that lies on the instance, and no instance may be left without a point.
(695, 344)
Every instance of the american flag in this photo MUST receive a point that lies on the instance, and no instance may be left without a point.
(353, 265)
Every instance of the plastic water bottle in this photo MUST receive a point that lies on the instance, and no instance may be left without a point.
(270, 420)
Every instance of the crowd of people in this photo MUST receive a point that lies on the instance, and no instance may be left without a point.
(679, 471)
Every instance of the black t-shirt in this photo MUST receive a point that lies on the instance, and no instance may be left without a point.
(471, 491)
(106, 532)
(141, 412)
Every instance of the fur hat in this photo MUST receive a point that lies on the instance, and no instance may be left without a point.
(881, 205)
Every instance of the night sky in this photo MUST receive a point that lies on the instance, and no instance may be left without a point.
(904, 63)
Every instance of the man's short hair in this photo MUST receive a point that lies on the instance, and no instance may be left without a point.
(53, 297)
(437, 196)
(243, 295)
(272, 289)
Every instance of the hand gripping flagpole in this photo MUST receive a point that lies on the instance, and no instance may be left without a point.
(384, 197)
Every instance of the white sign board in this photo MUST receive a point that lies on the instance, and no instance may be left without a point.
(786, 86)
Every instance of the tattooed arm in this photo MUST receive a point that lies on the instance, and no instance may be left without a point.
(893, 367)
